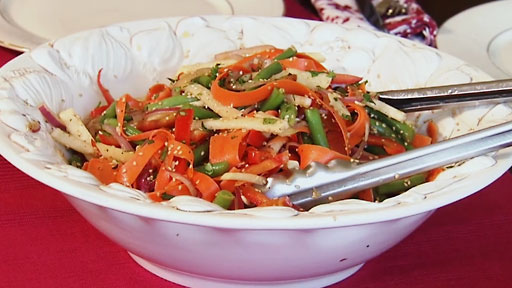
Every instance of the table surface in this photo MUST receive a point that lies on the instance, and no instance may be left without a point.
(44, 242)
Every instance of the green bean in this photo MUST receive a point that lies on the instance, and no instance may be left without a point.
(375, 150)
(273, 101)
(224, 198)
(214, 169)
(316, 127)
(131, 130)
(288, 53)
(204, 80)
(402, 130)
(171, 102)
(401, 185)
(201, 153)
(109, 113)
(200, 112)
(111, 122)
(76, 160)
(269, 71)
(306, 138)
(380, 128)
(288, 112)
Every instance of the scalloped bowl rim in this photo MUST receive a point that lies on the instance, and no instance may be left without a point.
(247, 219)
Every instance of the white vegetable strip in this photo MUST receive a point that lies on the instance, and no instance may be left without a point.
(389, 110)
(73, 142)
(269, 124)
(75, 126)
(298, 100)
(246, 177)
(339, 107)
(307, 79)
(206, 96)
(114, 153)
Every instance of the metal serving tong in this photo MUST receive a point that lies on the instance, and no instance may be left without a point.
(440, 97)
(341, 179)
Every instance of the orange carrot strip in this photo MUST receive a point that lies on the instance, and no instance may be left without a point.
(357, 129)
(129, 171)
(309, 153)
(227, 147)
(433, 131)
(421, 140)
(206, 185)
(102, 169)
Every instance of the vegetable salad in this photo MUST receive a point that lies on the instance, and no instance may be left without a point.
(219, 130)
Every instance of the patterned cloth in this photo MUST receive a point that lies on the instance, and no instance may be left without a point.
(403, 18)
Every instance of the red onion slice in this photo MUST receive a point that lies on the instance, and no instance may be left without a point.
(51, 117)
(122, 141)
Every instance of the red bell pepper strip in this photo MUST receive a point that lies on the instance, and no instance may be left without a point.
(256, 138)
(345, 79)
(108, 139)
(319, 67)
(157, 93)
(104, 91)
(255, 156)
(98, 111)
(183, 125)
(302, 64)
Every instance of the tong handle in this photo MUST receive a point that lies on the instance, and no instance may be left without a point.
(387, 169)
(430, 98)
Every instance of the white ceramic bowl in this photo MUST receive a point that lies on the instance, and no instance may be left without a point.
(192, 242)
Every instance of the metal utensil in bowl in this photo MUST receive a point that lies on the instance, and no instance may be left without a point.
(322, 184)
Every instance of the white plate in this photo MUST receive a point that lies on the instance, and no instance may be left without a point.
(25, 24)
(482, 36)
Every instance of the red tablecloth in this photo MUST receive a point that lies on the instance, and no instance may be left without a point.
(44, 242)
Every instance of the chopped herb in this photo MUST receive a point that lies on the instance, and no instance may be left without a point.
(314, 73)
(214, 71)
(367, 98)
(166, 196)
(331, 74)
(164, 153)
(269, 121)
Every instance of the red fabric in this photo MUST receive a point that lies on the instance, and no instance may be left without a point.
(44, 242)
